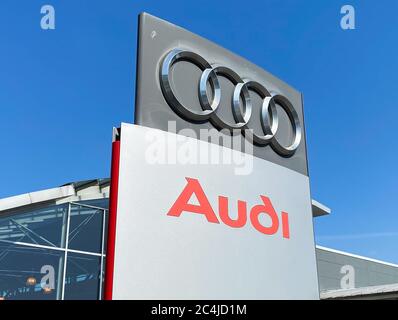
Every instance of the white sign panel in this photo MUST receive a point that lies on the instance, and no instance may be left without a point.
(209, 231)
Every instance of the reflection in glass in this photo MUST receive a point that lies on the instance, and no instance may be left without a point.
(21, 272)
(85, 231)
(100, 203)
(42, 226)
(82, 280)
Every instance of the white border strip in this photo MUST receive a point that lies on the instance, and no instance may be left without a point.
(386, 289)
(325, 210)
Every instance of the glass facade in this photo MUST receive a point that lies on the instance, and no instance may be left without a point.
(54, 251)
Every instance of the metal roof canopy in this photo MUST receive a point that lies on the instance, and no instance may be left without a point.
(318, 209)
(74, 191)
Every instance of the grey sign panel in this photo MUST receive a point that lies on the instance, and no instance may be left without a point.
(185, 78)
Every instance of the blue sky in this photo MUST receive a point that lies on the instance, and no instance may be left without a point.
(62, 91)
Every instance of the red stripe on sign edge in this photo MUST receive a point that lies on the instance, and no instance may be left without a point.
(113, 197)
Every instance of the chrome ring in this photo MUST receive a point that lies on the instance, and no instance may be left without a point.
(171, 58)
(268, 115)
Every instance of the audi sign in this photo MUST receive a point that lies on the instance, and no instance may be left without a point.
(186, 229)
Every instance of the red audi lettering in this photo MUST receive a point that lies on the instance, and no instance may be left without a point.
(193, 187)
(285, 225)
(224, 215)
(266, 209)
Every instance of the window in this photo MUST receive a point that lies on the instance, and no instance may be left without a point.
(53, 252)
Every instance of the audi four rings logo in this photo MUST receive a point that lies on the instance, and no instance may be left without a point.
(268, 116)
